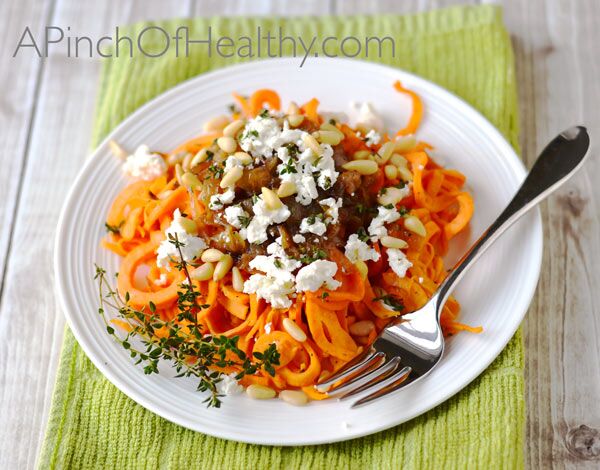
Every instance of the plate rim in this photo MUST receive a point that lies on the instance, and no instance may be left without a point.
(509, 156)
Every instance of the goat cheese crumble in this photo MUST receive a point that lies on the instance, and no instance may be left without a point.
(229, 385)
(313, 225)
(373, 137)
(191, 248)
(277, 282)
(384, 216)
(218, 201)
(358, 250)
(299, 238)
(332, 211)
(256, 231)
(316, 274)
(398, 262)
(144, 165)
(263, 135)
(235, 215)
(366, 116)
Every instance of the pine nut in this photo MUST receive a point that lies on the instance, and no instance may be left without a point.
(212, 255)
(117, 150)
(190, 180)
(413, 224)
(222, 267)
(405, 174)
(188, 225)
(405, 143)
(179, 174)
(232, 129)
(391, 195)
(328, 137)
(231, 177)
(391, 172)
(243, 157)
(175, 158)
(312, 144)
(294, 397)
(237, 280)
(293, 108)
(361, 328)
(384, 153)
(362, 267)
(227, 144)
(203, 272)
(327, 126)
(399, 161)
(393, 242)
(361, 155)
(216, 124)
(294, 330)
(364, 167)
(200, 157)
(295, 119)
(260, 392)
(187, 160)
(271, 199)
(287, 188)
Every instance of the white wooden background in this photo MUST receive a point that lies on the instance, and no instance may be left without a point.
(46, 110)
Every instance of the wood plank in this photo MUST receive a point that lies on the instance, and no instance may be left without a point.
(59, 141)
(559, 77)
(366, 7)
(262, 7)
(20, 75)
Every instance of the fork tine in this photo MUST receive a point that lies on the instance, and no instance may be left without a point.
(365, 380)
(359, 365)
(389, 385)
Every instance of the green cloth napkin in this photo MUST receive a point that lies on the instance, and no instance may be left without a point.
(94, 425)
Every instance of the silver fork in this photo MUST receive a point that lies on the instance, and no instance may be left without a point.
(408, 350)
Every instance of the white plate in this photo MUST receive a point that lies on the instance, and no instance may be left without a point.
(495, 293)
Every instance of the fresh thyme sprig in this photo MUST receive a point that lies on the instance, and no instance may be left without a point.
(180, 340)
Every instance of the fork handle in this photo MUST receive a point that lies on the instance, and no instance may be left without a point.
(557, 162)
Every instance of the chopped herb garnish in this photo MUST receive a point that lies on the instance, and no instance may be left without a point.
(393, 302)
(289, 167)
(362, 209)
(389, 206)
(403, 211)
(254, 199)
(362, 234)
(113, 228)
(292, 149)
(332, 122)
(216, 170)
(244, 220)
(233, 109)
(324, 295)
(278, 264)
(311, 219)
(314, 256)
(264, 113)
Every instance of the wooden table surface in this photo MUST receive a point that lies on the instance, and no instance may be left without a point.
(46, 109)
